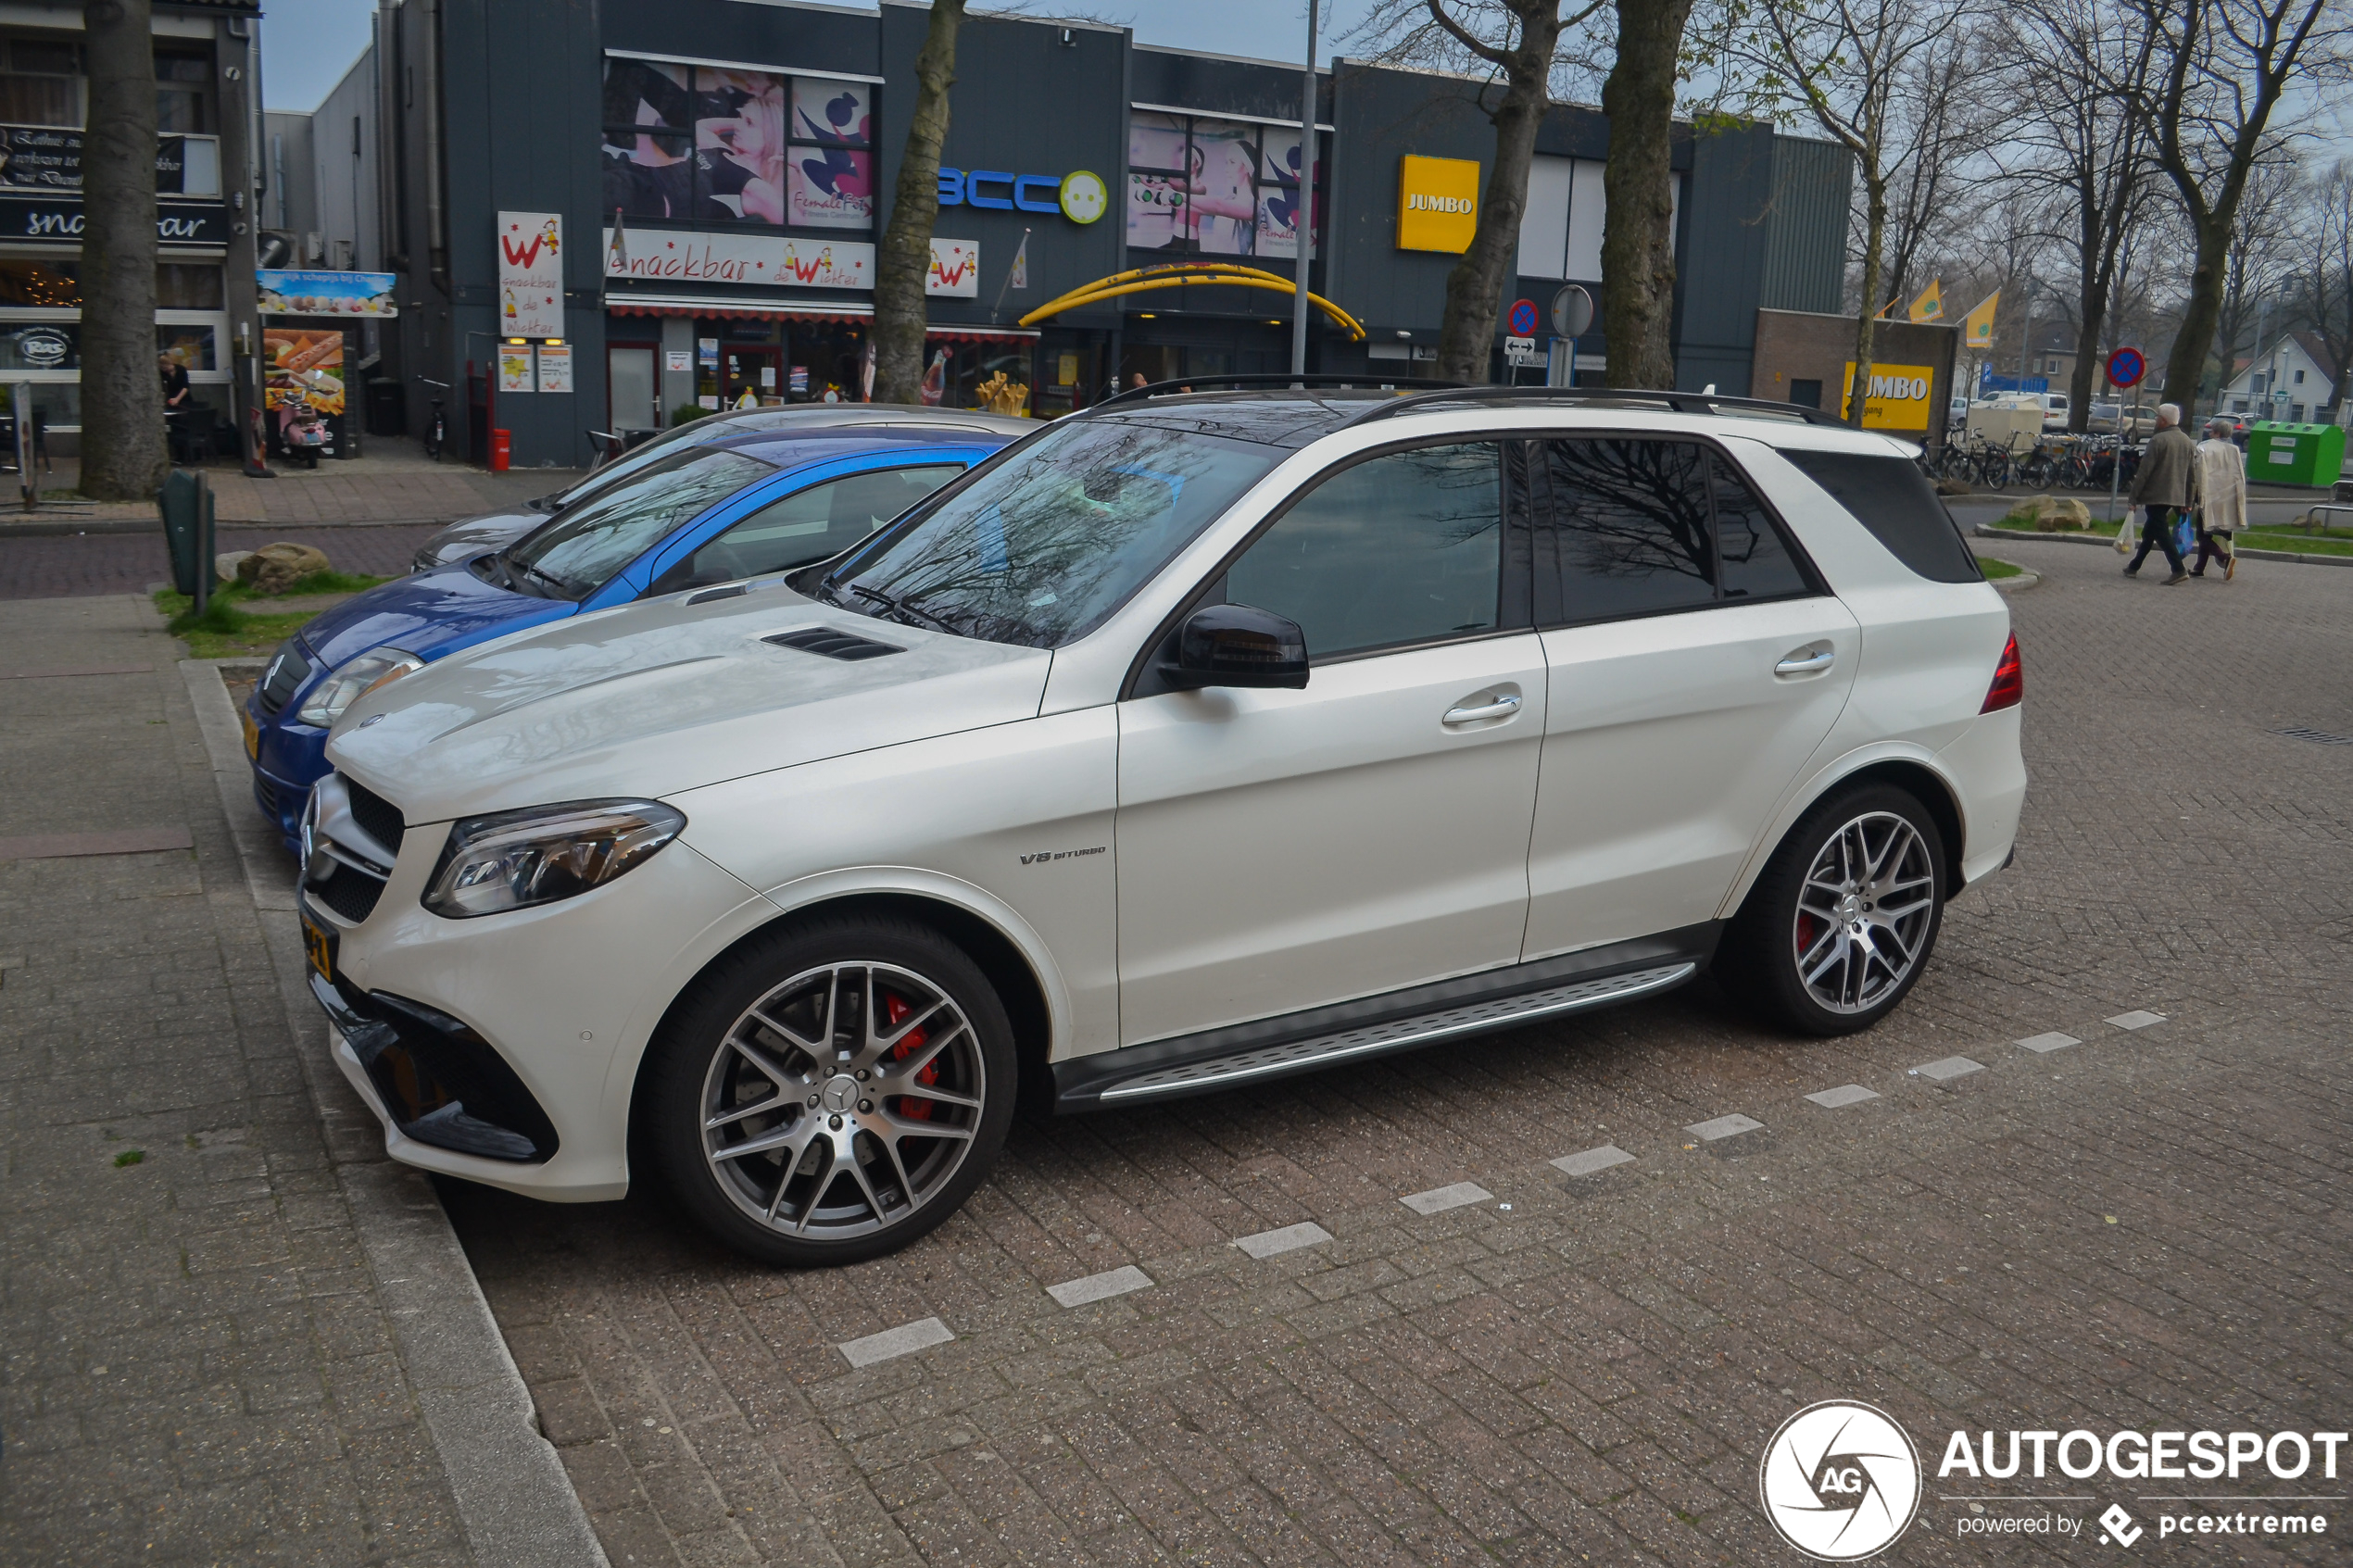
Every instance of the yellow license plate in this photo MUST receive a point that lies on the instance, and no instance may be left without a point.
(315, 947)
(253, 736)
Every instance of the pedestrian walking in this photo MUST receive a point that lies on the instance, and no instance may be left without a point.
(2221, 498)
(2162, 488)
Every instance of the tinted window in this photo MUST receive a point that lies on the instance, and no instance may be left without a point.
(1755, 558)
(1039, 549)
(1627, 531)
(1893, 498)
(1402, 548)
(576, 553)
(807, 525)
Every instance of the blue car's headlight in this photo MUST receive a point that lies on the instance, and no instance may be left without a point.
(542, 853)
(353, 678)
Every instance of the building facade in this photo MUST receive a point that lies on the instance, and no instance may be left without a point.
(207, 63)
(2295, 379)
(681, 199)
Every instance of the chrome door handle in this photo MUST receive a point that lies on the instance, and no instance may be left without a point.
(1501, 708)
(1807, 661)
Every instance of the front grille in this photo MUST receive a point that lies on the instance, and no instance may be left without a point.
(350, 893)
(266, 794)
(831, 644)
(377, 817)
(284, 677)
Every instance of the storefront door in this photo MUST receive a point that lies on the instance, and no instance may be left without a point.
(633, 387)
(754, 368)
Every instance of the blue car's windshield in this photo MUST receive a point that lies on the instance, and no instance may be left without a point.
(1039, 548)
(573, 554)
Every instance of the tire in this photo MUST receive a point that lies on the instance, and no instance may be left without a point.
(805, 1148)
(1788, 927)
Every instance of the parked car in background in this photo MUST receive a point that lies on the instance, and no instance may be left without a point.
(1199, 741)
(698, 515)
(491, 530)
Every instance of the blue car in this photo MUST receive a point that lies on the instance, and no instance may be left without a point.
(708, 514)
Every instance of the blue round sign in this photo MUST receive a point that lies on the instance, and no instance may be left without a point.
(2126, 367)
(1523, 318)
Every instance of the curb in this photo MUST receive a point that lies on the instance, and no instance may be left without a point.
(1987, 530)
(2019, 584)
(515, 1503)
(65, 528)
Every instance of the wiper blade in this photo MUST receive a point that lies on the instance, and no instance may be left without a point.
(562, 585)
(905, 613)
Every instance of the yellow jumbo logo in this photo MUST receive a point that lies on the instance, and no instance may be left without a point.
(1437, 203)
(1897, 398)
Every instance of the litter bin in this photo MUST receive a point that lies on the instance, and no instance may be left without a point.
(187, 504)
(387, 411)
(2280, 453)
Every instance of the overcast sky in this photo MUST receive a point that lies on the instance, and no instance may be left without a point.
(308, 44)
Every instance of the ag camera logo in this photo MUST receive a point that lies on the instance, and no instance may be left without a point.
(1840, 1481)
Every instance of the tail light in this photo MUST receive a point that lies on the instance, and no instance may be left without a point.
(2009, 680)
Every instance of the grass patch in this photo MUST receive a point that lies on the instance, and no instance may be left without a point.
(2023, 522)
(2297, 541)
(226, 629)
(130, 1156)
(1998, 570)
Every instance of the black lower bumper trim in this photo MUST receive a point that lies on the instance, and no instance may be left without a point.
(441, 1082)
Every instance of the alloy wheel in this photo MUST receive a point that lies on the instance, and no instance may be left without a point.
(843, 1101)
(1864, 912)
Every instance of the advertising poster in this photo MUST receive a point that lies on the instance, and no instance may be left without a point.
(678, 361)
(828, 185)
(531, 274)
(514, 368)
(955, 269)
(302, 384)
(1223, 190)
(555, 367)
(740, 145)
(1158, 216)
(649, 153)
(289, 293)
(1278, 194)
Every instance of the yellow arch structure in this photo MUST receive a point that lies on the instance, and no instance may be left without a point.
(1144, 280)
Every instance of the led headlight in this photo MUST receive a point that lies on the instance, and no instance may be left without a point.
(355, 679)
(538, 855)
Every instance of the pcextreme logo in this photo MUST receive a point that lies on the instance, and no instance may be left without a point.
(1437, 203)
(1840, 1481)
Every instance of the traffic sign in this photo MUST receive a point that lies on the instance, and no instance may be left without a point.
(1521, 351)
(2126, 367)
(1572, 311)
(1523, 318)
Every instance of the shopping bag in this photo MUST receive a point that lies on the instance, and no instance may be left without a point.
(2185, 534)
(2124, 531)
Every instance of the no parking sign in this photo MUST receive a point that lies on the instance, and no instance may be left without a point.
(1523, 318)
(2126, 367)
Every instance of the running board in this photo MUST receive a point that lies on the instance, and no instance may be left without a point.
(1401, 1020)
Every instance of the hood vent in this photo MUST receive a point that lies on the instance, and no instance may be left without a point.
(825, 640)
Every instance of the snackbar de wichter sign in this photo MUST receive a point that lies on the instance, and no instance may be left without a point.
(531, 274)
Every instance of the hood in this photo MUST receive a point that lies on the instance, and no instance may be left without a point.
(651, 700)
(427, 614)
(472, 536)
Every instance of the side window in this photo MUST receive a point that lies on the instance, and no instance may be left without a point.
(1402, 548)
(808, 525)
(1757, 559)
(1627, 531)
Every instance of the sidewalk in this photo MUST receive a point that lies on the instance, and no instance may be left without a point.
(231, 1329)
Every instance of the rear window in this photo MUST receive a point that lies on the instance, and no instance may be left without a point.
(1893, 498)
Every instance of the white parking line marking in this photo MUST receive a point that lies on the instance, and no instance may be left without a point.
(1951, 1067)
(1724, 1127)
(1290, 1238)
(2136, 1019)
(2045, 1044)
(1846, 1094)
(1591, 1160)
(1100, 1287)
(907, 1337)
(1436, 1200)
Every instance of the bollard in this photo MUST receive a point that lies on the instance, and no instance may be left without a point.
(28, 482)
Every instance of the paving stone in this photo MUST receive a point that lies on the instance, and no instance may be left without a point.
(1289, 1238)
(907, 1338)
(2136, 1019)
(1730, 1126)
(1101, 1287)
(1846, 1094)
(1591, 1160)
(2045, 1044)
(1947, 1068)
(1436, 1200)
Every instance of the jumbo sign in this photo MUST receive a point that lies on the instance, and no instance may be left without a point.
(1898, 396)
(1437, 203)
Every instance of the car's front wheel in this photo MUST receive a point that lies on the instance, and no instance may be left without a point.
(1842, 922)
(832, 1091)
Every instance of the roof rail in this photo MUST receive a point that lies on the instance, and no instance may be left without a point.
(1368, 382)
(1681, 402)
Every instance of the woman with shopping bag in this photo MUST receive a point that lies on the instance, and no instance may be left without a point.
(2219, 491)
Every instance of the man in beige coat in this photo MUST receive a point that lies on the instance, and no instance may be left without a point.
(2162, 488)
(2218, 492)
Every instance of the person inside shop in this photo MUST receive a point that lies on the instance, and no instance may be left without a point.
(175, 381)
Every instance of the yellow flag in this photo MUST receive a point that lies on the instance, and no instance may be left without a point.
(1930, 306)
(1977, 327)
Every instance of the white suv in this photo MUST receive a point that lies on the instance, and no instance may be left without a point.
(1192, 742)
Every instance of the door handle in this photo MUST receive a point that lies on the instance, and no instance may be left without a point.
(1809, 661)
(1501, 708)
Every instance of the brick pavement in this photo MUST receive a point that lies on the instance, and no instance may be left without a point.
(47, 567)
(2145, 1229)
(200, 1367)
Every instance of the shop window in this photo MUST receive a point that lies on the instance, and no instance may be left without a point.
(1222, 186)
(738, 146)
(193, 349)
(40, 346)
(182, 286)
(183, 94)
(42, 84)
(53, 284)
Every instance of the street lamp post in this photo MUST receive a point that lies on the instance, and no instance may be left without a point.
(1306, 213)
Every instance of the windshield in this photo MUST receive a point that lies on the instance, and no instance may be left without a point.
(576, 553)
(1040, 549)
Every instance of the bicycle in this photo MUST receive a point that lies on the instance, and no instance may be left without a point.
(438, 431)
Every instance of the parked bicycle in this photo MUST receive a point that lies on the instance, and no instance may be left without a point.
(437, 428)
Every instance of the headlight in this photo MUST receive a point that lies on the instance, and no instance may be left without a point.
(537, 856)
(354, 679)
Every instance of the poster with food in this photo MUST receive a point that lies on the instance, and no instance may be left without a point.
(303, 368)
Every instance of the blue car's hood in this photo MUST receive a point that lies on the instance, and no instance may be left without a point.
(429, 614)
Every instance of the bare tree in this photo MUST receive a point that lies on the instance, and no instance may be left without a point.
(123, 457)
(902, 262)
(1950, 122)
(2223, 69)
(1638, 240)
(2327, 280)
(2260, 267)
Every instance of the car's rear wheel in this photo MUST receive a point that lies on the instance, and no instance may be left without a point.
(833, 1091)
(1838, 927)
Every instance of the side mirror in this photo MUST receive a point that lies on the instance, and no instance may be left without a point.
(1238, 646)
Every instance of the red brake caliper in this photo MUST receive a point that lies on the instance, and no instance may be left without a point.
(895, 1011)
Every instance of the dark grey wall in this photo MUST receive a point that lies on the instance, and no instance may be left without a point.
(1726, 206)
(794, 38)
(1380, 115)
(1221, 86)
(1804, 264)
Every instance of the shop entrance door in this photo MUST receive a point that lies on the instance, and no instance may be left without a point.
(754, 368)
(631, 386)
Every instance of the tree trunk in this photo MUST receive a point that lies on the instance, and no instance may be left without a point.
(1475, 288)
(2185, 361)
(902, 262)
(1637, 240)
(2092, 303)
(1867, 321)
(123, 457)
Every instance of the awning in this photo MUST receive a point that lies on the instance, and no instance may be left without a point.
(983, 334)
(793, 311)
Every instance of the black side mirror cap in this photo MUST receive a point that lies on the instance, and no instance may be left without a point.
(1237, 646)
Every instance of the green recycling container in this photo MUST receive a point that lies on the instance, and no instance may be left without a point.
(187, 504)
(2280, 453)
